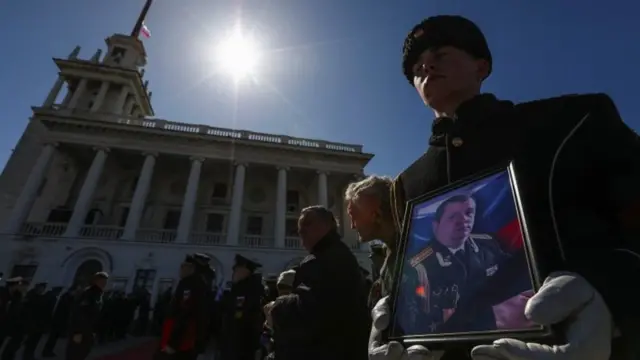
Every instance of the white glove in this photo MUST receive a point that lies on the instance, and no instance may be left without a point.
(393, 350)
(564, 297)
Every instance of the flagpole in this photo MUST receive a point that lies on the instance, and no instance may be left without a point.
(136, 29)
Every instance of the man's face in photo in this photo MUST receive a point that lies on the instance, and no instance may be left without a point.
(456, 223)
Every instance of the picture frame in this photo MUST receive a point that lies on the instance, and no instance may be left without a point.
(469, 284)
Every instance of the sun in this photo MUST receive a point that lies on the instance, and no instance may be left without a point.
(238, 55)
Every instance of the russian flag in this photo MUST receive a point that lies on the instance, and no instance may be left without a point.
(145, 31)
(495, 214)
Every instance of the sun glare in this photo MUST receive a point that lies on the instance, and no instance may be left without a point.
(238, 55)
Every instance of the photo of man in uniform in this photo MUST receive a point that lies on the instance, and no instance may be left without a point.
(449, 284)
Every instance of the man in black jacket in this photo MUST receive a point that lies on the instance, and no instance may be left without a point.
(182, 327)
(85, 312)
(242, 312)
(326, 316)
(580, 166)
(14, 321)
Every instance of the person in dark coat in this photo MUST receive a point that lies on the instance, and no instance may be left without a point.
(15, 319)
(578, 166)
(182, 323)
(38, 312)
(326, 316)
(85, 313)
(60, 320)
(242, 314)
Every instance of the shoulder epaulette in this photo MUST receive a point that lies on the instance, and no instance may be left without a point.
(481, 236)
(417, 259)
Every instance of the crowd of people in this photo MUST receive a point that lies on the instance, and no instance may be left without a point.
(29, 318)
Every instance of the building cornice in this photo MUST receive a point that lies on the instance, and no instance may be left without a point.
(181, 133)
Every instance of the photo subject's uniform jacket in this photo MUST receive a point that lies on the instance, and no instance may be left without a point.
(445, 290)
(580, 169)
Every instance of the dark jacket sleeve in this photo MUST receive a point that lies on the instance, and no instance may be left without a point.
(188, 309)
(616, 152)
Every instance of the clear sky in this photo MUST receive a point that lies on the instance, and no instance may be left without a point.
(332, 67)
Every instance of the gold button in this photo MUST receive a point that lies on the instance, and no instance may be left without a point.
(457, 142)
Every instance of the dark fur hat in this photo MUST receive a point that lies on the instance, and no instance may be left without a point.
(439, 31)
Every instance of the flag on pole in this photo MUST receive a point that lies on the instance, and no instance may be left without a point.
(145, 31)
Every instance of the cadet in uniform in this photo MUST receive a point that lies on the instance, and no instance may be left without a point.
(243, 317)
(180, 331)
(206, 323)
(85, 313)
(14, 320)
(579, 162)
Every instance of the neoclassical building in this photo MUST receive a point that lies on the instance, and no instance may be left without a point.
(97, 183)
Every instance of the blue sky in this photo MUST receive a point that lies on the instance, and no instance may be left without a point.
(332, 67)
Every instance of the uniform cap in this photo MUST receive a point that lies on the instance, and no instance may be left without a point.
(439, 31)
(16, 280)
(202, 259)
(242, 261)
(101, 275)
(287, 278)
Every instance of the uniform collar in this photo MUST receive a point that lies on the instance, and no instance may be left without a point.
(475, 112)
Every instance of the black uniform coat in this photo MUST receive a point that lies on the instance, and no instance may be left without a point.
(329, 302)
(581, 168)
(85, 312)
(186, 315)
(243, 318)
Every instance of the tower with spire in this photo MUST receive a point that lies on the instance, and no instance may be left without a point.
(104, 85)
(109, 84)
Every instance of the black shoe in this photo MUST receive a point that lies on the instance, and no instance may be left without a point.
(48, 355)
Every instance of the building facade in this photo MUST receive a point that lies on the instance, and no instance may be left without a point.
(96, 183)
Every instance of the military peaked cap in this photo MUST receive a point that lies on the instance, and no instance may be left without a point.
(242, 261)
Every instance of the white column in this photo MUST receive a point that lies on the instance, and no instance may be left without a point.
(189, 203)
(233, 231)
(119, 106)
(97, 103)
(323, 198)
(129, 107)
(67, 97)
(281, 207)
(85, 198)
(139, 197)
(77, 93)
(29, 193)
(53, 94)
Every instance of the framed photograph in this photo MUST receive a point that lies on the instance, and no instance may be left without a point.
(466, 265)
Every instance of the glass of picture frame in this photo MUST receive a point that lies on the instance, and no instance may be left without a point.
(467, 265)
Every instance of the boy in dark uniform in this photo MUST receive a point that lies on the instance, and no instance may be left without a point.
(182, 327)
(581, 164)
(13, 325)
(85, 313)
(243, 318)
